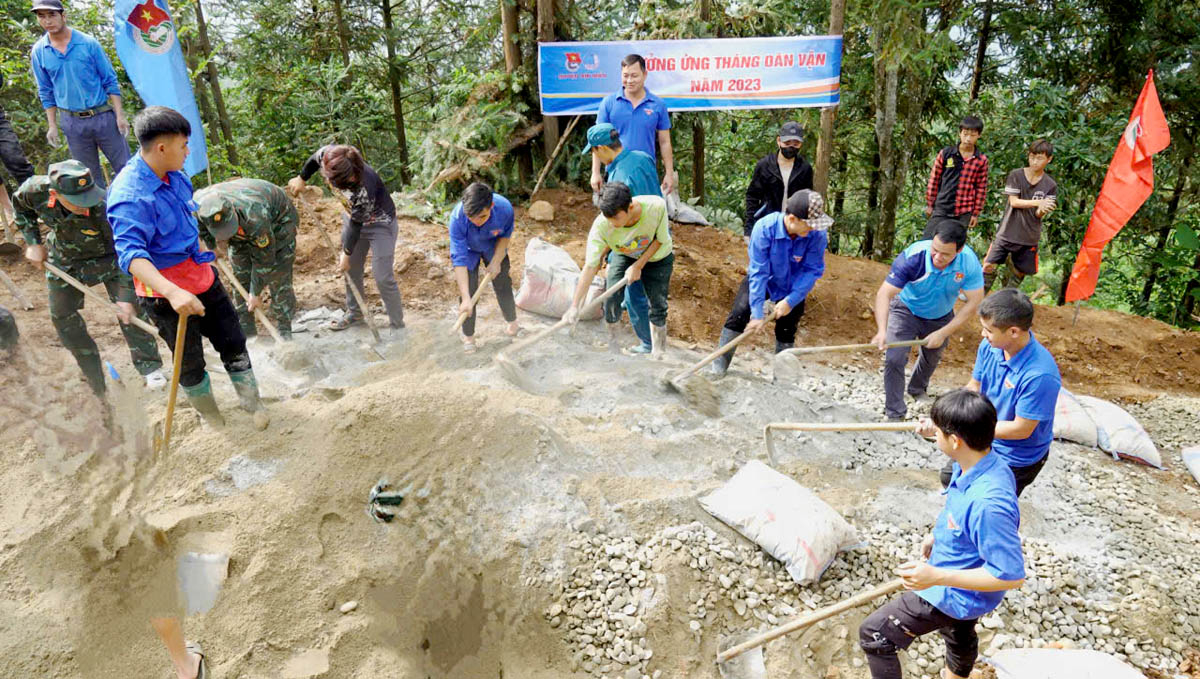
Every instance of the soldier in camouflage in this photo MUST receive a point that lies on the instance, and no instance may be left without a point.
(81, 243)
(258, 220)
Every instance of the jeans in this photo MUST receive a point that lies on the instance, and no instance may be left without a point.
(655, 284)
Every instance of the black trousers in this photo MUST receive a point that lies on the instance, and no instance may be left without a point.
(219, 324)
(895, 625)
(501, 285)
(11, 154)
(1023, 475)
(739, 315)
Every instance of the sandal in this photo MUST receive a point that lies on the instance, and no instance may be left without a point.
(469, 346)
(346, 321)
(194, 647)
(517, 332)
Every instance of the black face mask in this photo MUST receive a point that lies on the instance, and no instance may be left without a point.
(789, 152)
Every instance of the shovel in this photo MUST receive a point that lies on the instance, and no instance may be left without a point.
(16, 292)
(462, 318)
(830, 426)
(358, 294)
(509, 367)
(700, 393)
(756, 670)
(786, 364)
(180, 338)
(288, 354)
(98, 298)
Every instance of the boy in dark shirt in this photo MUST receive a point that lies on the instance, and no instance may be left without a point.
(958, 180)
(1032, 195)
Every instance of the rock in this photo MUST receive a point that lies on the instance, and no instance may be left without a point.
(694, 625)
(348, 606)
(541, 211)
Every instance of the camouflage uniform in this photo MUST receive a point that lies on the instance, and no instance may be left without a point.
(259, 221)
(82, 246)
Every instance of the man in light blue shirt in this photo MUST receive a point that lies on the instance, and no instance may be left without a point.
(916, 301)
(969, 561)
(74, 76)
(642, 120)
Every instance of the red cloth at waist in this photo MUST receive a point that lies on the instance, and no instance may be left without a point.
(193, 277)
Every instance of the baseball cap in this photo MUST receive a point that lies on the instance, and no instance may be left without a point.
(73, 181)
(791, 131)
(810, 207)
(47, 4)
(216, 214)
(600, 134)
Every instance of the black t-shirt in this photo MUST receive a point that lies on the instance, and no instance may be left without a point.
(1022, 225)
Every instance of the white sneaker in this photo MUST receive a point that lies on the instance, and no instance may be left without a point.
(156, 380)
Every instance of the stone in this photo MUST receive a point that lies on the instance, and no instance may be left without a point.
(348, 607)
(541, 211)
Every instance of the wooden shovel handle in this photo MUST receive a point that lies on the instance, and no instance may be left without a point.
(362, 305)
(226, 269)
(723, 349)
(462, 318)
(853, 347)
(180, 338)
(16, 292)
(812, 618)
(587, 309)
(98, 298)
(841, 426)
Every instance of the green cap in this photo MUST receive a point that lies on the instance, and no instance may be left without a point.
(73, 181)
(600, 134)
(216, 214)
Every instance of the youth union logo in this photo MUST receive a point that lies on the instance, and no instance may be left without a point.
(153, 30)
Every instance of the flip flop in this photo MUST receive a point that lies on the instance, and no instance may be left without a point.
(469, 347)
(194, 647)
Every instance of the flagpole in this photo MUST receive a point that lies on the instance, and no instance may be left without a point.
(1076, 318)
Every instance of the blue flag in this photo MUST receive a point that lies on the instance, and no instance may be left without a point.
(149, 49)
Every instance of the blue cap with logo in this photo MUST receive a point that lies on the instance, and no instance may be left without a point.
(601, 134)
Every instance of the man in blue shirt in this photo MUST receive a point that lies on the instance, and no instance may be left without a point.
(481, 227)
(916, 301)
(74, 76)
(787, 256)
(157, 239)
(642, 120)
(1021, 378)
(970, 560)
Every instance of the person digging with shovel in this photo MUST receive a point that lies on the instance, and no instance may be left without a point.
(481, 227)
(969, 561)
(635, 232)
(787, 256)
(157, 240)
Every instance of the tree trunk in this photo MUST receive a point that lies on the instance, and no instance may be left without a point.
(886, 78)
(839, 205)
(214, 82)
(868, 242)
(389, 41)
(545, 33)
(837, 17)
(985, 34)
(1189, 298)
(698, 159)
(1165, 232)
(343, 36)
(511, 22)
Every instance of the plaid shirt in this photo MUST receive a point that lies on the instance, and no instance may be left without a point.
(972, 182)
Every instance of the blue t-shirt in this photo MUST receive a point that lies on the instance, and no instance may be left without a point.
(977, 528)
(469, 242)
(636, 170)
(1025, 385)
(152, 219)
(78, 80)
(926, 291)
(781, 266)
(639, 126)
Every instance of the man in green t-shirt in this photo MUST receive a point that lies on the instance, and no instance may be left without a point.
(635, 235)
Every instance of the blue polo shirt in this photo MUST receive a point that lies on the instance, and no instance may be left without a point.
(469, 242)
(926, 291)
(152, 219)
(636, 170)
(977, 528)
(1025, 385)
(78, 80)
(782, 266)
(639, 126)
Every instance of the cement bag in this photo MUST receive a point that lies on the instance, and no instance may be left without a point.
(1117, 432)
(549, 281)
(1050, 663)
(786, 519)
(1191, 458)
(1072, 422)
(679, 211)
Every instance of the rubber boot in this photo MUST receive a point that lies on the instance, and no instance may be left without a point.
(783, 346)
(721, 364)
(247, 390)
(614, 340)
(658, 342)
(93, 371)
(201, 397)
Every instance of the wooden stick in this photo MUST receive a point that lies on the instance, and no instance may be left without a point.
(841, 426)
(719, 351)
(16, 292)
(226, 269)
(362, 305)
(852, 347)
(462, 318)
(98, 298)
(812, 618)
(180, 337)
(553, 156)
(587, 309)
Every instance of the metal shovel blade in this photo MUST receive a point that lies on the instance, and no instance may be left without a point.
(748, 665)
(200, 578)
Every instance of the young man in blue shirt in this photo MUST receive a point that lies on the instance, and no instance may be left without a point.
(74, 76)
(972, 557)
(642, 120)
(157, 239)
(481, 227)
(787, 256)
(1021, 378)
(916, 301)
(631, 167)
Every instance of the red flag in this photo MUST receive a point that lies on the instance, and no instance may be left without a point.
(1129, 182)
(147, 15)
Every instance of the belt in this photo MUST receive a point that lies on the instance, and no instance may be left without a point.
(91, 112)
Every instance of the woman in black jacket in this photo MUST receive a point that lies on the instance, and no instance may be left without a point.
(766, 193)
